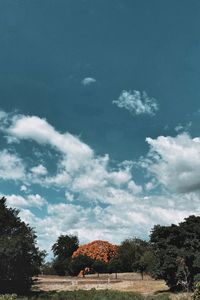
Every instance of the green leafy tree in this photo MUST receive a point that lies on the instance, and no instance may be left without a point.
(177, 249)
(63, 250)
(99, 266)
(130, 252)
(79, 263)
(145, 262)
(20, 258)
(114, 266)
(48, 269)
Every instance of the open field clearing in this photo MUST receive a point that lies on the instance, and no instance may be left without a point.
(124, 282)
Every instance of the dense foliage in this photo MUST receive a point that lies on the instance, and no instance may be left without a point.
(135, 255)
(80, 263)
(98, 250)
(63, 249)
(177, 252)
(20, 259)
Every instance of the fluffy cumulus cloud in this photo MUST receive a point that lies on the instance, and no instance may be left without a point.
(28, 201)
(99, 201)
(175, 162)
(79, 170)
(137, 102)
(88, 81)
(11, 166)
(39, 170)
(113, 223)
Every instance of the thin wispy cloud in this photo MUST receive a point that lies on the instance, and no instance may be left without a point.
(183, 128)
(138, 103)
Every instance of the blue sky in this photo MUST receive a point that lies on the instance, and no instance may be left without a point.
(99, 121)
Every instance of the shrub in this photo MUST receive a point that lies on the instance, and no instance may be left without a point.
(196, 295)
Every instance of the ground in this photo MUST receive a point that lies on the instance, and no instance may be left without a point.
(131, 282)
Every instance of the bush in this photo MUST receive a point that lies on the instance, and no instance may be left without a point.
(8, 297)
(196, 295)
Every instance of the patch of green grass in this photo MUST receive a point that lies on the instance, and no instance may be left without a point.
(89, 295)
(165, 296)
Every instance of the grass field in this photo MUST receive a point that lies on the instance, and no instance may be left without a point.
(95, 295)
(126, 286)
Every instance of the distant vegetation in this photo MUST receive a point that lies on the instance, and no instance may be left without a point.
(172, 253)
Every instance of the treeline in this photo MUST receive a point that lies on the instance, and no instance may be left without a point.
(133, 255)
(172, 253)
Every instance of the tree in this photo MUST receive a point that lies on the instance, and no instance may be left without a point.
(114, 266)
(48, 269)
(177, 249)
(99, 266)
(20, 259)
(63, 249)
(80, 263)
(130, 252)
(145, 262)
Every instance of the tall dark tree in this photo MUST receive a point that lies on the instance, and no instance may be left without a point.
(145, 262)
(177, 249)
(114, 266)
(20, 258)
(130, 252)
(63, 250)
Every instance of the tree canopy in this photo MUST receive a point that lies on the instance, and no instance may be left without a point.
(177, 252)
(20, 258)
(63, 249)
(130, 252)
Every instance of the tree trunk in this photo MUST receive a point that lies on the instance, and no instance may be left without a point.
(142, 275)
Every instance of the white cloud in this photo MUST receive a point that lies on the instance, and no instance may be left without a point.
(23, 188)
(183, 128)
(111, 205)
(150, 185)
(88, 81)
(133, 187)
(113, 222)
(69, 196)
(175, 162)
(79, 170)
(39, 170)
(137, 102)
(11, 166)
(29, 201)
(37, 129)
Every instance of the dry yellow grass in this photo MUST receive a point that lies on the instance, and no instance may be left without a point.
(124, 282)
(129, 282)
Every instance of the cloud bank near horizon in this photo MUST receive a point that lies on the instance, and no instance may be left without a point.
(100, 200)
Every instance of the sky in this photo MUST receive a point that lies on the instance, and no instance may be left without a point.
(100, 115)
